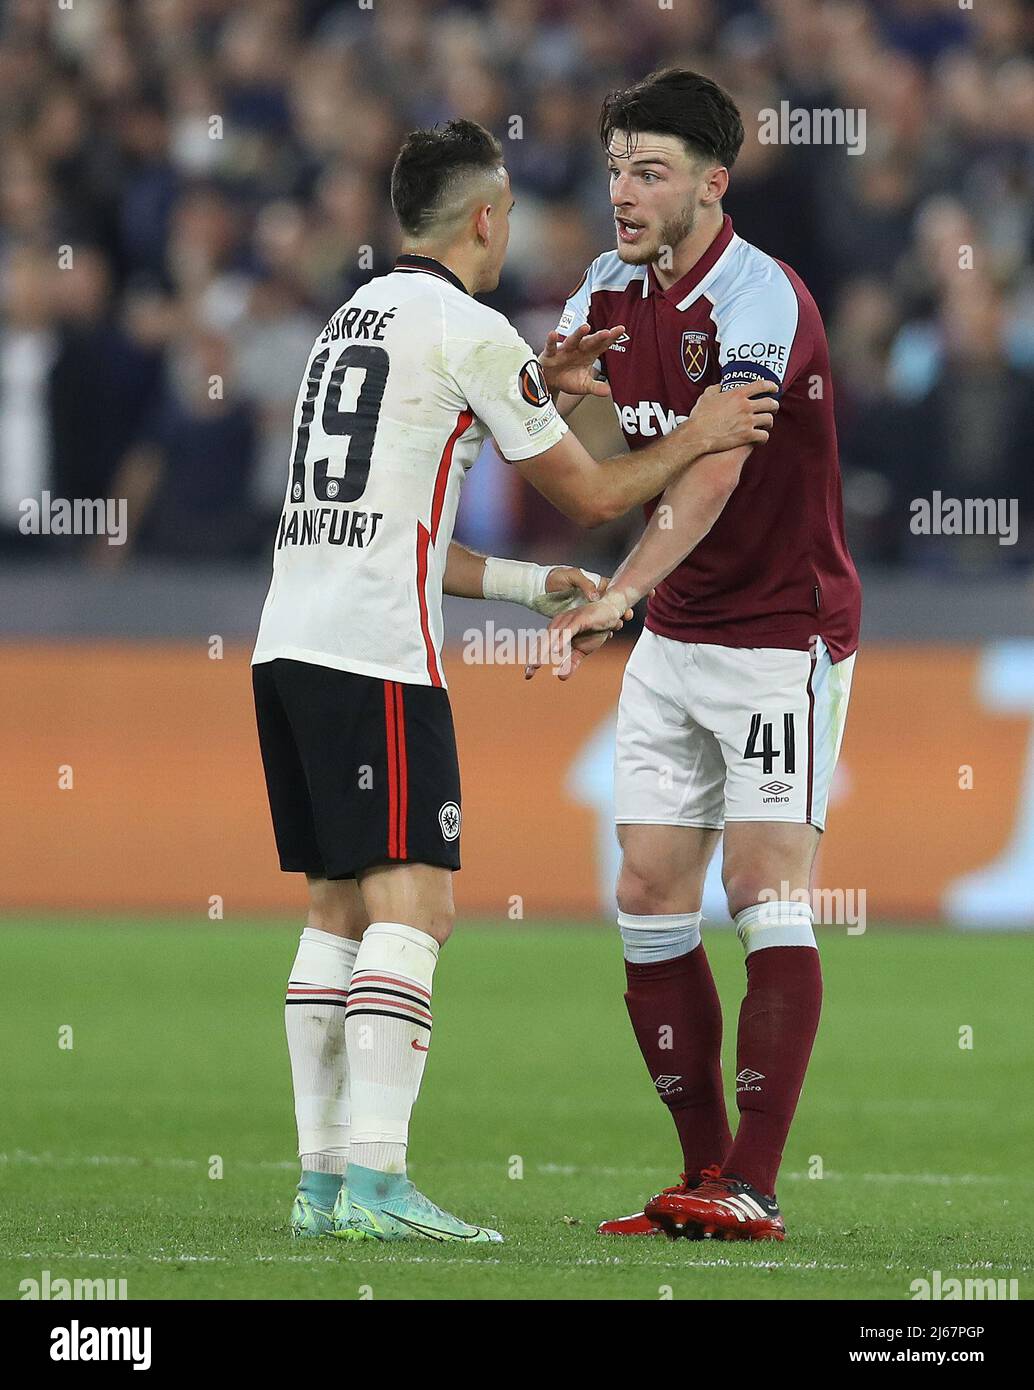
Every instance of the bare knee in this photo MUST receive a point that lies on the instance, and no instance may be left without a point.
(644, 891)
(435, 922)
(440, 925)
(744, 889)
(414, 895)
(767, 863)
(751, 880)
(663, 868)
(336, 906)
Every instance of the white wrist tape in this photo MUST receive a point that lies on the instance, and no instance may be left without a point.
(516, 581)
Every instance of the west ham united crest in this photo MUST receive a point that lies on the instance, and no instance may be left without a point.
(694, 353)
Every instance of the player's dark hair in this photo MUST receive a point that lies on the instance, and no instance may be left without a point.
(429, 160)
(675, 101)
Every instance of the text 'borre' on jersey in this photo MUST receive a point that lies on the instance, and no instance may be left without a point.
(400, 391)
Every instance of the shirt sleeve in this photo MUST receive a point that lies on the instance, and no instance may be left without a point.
(576, 308)
(756, 333)
(500, 378)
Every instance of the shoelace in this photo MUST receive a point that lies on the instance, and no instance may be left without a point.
(686, 1184)
(712, 1182)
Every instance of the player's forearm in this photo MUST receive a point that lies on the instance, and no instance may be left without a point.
(681, 520)
(566, 403)
(464, 572)
(628, 480)
(470, 575)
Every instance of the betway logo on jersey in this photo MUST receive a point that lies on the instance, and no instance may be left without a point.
(648, 418)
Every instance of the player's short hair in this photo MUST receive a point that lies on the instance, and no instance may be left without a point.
(675, 101)
(433, 168)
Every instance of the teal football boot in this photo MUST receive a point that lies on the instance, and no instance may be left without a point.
(386, 1206)
(313, 1211)
(307, 1219)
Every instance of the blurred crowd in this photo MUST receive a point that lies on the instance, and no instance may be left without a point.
(190, 187)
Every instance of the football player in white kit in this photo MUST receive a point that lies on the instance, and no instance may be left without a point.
(400, 390)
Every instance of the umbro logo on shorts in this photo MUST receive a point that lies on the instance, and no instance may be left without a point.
(776, 788)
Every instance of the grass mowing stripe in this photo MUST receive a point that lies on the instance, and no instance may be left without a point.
(536, 1116)
(562, 1170)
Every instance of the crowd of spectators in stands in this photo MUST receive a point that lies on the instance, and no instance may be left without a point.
(188, 189)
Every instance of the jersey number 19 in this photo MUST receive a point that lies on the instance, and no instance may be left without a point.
(358, 425)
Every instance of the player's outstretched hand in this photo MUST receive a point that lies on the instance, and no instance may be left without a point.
(567, 365)
(575, 635)
(566, 587)
(740, 416)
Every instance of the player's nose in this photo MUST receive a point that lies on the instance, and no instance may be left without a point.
(620, 192)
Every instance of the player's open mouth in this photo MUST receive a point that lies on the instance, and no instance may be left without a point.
(628, 231)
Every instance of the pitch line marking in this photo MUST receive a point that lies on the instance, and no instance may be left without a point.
(719, 1262)
(613, 1261)
(21, 1156)
(567, 1170)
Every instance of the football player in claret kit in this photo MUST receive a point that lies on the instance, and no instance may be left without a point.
(733, 703)
(356, 734)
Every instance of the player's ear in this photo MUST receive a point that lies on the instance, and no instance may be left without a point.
(483, 223)
(717, 182)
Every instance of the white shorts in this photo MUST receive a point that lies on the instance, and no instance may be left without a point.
(708, 734)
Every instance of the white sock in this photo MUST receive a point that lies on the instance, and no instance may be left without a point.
(659, 936)
(775, 924)
(388, 1028)
(314, 1016)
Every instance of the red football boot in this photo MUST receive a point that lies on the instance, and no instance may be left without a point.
(640, 1224)
(721, 1208)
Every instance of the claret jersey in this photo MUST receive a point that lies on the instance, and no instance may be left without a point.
(400, 390)
(774, 571)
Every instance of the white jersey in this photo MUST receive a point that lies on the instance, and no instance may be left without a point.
(400, 391)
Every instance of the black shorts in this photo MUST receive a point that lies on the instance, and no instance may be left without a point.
(359, 771)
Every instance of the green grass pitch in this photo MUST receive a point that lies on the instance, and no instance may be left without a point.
(178, 1063)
